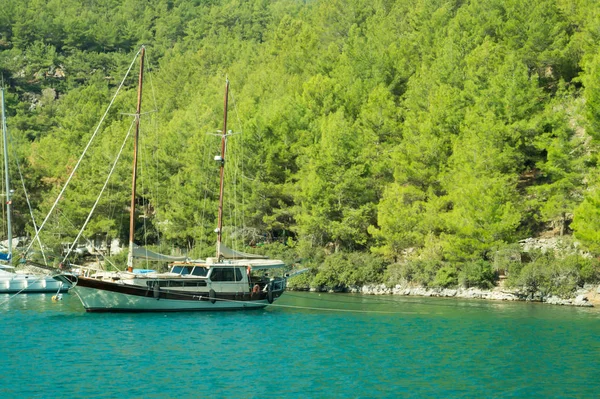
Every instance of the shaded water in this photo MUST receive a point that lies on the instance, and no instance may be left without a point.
(310, 345)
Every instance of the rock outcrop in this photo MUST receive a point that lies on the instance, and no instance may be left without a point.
(496, 294)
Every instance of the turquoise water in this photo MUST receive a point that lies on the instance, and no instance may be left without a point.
(358, 347)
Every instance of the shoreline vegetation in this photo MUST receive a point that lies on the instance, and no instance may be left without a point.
(588, 296)
(551, 270)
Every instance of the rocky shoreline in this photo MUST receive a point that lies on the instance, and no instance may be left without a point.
(588, 296)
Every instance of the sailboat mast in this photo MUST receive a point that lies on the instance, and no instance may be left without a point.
(134, 173)
(222, 170)
(6, 177)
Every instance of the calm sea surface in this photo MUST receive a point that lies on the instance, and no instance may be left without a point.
(310, 346)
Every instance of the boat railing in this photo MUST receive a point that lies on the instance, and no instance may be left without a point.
(278, 284)
(84, 271)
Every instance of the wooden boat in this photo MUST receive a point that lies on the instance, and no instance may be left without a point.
(231, 280)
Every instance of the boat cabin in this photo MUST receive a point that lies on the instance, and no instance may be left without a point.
(222, 274)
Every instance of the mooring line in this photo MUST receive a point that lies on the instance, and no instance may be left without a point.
(274, 305)
(343, 310)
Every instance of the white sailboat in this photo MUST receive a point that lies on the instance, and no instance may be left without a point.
(19, 281)
(232, 280)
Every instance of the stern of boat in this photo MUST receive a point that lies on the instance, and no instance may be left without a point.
(276, 288)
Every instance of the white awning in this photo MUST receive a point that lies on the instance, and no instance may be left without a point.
(229, 253)
(144, 253)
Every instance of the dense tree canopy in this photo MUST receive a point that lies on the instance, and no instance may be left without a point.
(433, 130)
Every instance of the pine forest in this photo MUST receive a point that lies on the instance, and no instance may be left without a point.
(379, 141)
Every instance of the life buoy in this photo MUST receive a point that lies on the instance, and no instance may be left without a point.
(212, 296)
(270, 293)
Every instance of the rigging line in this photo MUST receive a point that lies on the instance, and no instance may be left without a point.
(236, 205)
(154, 153)
(89, 242)
(16, 158)
(237, 115)
(143, 169)
(4, 204)
(149, 73)
(101, 191)
(203, 217)
(61, 213)
(4, 189)
(85, 149)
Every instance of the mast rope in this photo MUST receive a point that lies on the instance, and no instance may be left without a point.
(27, 199)
(237, 115)
(101, 192)
(143, 167)
(206, 192)
(89, 242)
(84, 151)
(154, 153)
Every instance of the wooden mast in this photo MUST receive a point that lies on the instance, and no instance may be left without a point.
(134, 173)
(222, 170)
(8, 191)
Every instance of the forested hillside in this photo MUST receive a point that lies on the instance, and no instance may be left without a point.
(380, 141)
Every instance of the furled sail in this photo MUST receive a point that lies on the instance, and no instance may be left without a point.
(229, 253)
(144, 253)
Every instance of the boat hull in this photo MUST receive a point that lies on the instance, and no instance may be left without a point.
(105, 296)
(31, 284)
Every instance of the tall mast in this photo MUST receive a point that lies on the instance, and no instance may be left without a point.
(135, 152)
(222, 170)
(7, 180)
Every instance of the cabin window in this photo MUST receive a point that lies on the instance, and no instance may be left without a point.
(153, 283)
(181, 270)
(200, 271)
(200, 283)
(225, 274)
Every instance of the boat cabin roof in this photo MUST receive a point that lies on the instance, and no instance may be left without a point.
(252, 263)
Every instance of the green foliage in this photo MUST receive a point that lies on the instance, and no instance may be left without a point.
(344, 269)
(432, 132)
(446, 276)
(586, 223)
(415, 271)
(477, 274)
(555, 275)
